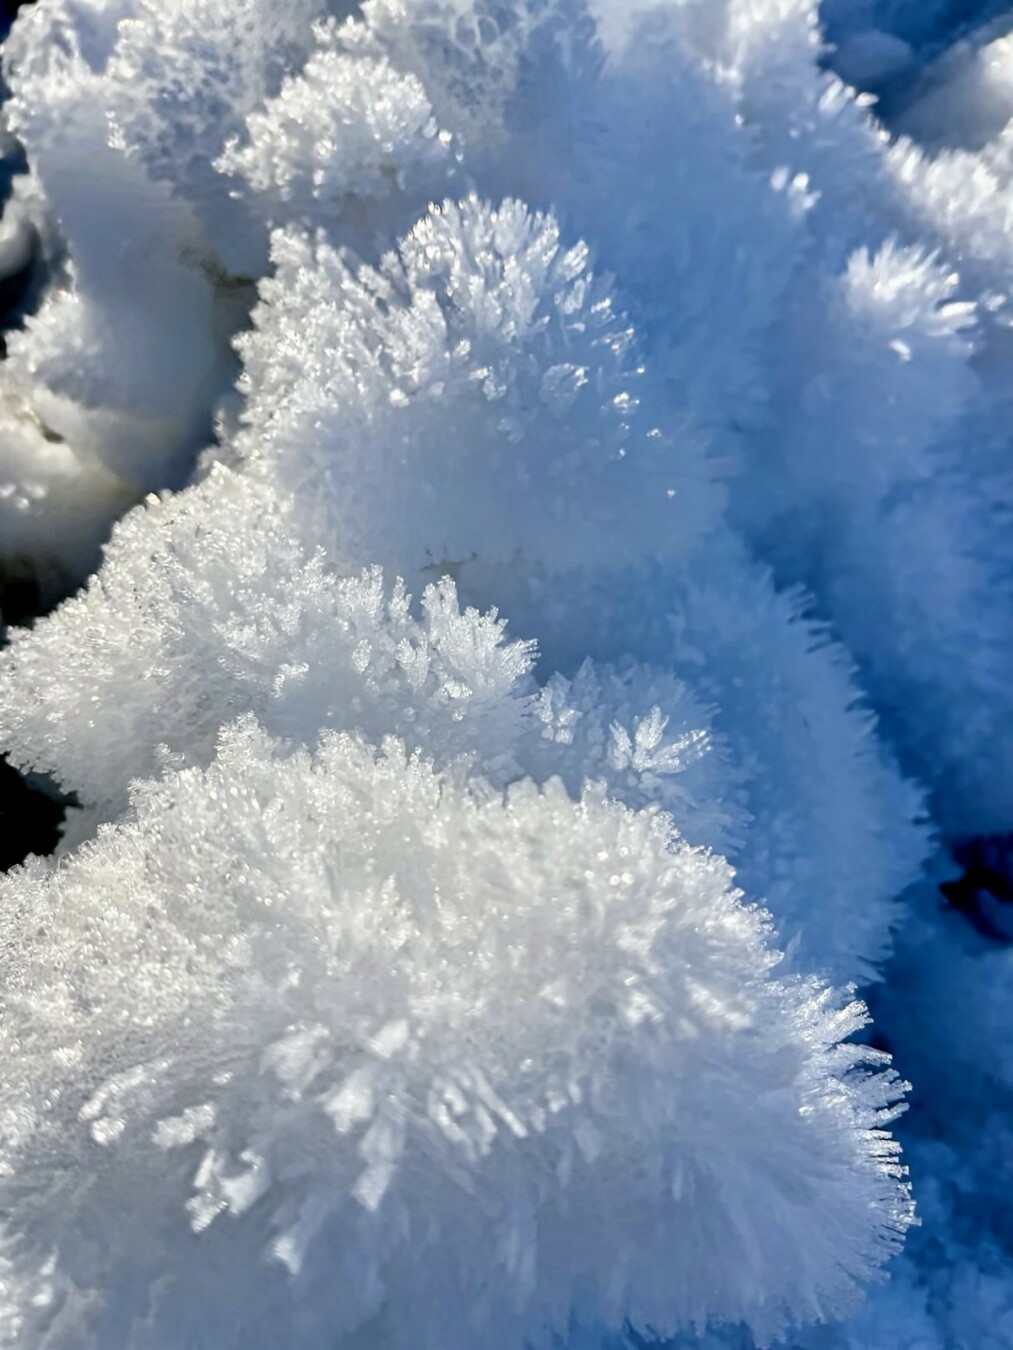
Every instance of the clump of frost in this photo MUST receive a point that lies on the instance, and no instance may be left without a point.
(176, 81)
(642, 731)
(474, 59)
(350, 146)
(207, 606)
(317, 1048)
(477, 402)
(885, 525)
(536, 103)
(476, 406)
(894, 249)
(123, 108)
(316, 994)
(119, 358)
(775, 150)
(214, 124)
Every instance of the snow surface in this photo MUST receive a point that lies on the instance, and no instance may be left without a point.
(535, 476)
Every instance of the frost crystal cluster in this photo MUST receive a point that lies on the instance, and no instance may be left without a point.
(514, 498)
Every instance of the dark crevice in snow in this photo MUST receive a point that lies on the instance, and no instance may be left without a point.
(30, 818)
(17, 298)
(984, 892)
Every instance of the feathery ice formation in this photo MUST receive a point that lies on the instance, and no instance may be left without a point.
(400, 981)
